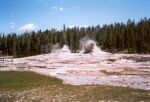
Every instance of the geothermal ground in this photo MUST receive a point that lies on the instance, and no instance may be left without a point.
(96, 68)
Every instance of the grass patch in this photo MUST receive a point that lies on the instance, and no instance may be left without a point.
(16, 80)
(32, 87)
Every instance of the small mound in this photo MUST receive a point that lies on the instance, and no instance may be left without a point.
(65, 53)
(65, 49)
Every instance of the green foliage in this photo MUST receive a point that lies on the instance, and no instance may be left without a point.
(132, 37)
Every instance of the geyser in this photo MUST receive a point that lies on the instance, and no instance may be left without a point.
(65, 53)
(89, 46)
(86, 45)
(65, 49)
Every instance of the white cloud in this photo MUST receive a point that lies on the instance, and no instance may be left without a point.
(30, 26)
(61, 9)
(54, 7)
(76, 8)
(57, 8)
(12, 25)
(77, 25)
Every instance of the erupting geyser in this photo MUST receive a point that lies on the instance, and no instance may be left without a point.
(89, 46)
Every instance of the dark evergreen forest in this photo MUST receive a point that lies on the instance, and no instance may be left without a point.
(127, 37)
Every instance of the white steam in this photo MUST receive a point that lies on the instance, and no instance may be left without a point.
(89, 46)
(56, 48)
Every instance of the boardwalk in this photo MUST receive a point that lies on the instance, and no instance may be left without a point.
(6, 61)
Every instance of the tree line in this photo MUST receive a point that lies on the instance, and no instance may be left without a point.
(128, 37)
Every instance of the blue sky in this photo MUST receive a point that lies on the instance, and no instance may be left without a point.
(21, 15)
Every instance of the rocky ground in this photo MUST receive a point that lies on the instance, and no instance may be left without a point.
(127, 70)
(95, 68)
